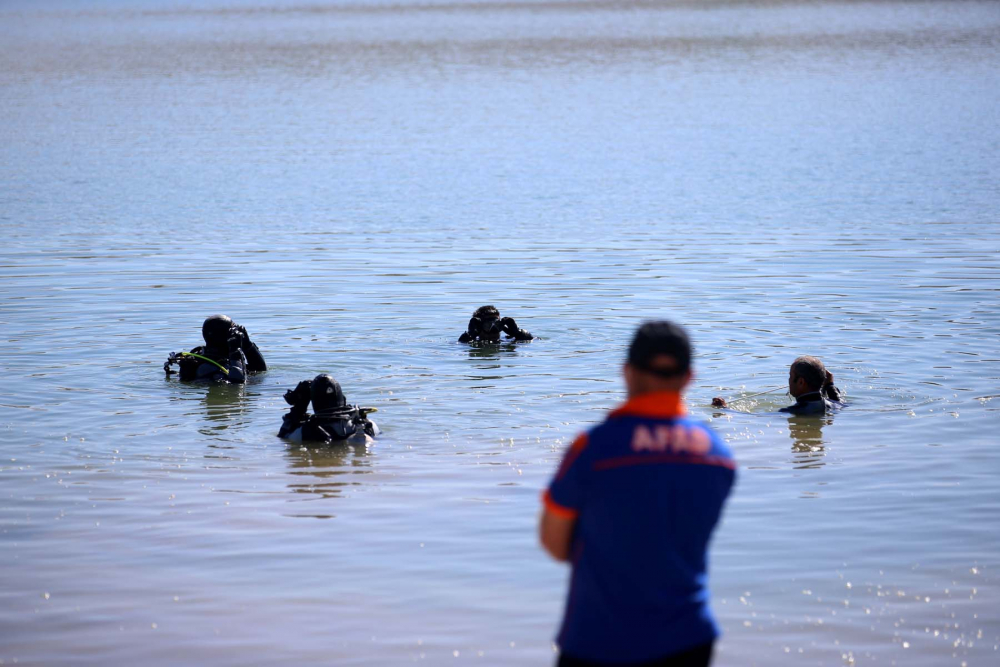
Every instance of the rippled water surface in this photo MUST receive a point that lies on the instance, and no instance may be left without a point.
(351, 180)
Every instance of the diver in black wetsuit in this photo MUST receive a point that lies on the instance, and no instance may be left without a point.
(486, 326)
(334, 420)
(228, 354)
(811, 385)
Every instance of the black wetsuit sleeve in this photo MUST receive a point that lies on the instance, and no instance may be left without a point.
(237, 367)
(511, 329)
(255, 360)
(299, 399)
(471, 331)
(293, 419)
(832, 393)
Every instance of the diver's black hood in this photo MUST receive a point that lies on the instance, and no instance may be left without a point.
(327, 394)
(215, 331)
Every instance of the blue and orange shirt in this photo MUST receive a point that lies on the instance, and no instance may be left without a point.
(646, 489)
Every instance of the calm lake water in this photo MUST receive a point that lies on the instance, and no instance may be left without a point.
(351, 180)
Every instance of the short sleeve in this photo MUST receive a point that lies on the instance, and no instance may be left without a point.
(564, 497)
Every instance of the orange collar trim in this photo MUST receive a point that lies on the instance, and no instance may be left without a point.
(657, 404)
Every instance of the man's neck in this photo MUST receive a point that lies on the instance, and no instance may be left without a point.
(810, 396)
(654, 404)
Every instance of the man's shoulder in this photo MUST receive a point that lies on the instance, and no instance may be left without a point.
(615, 422)
(608, 431)
(817, 407)
(718, 446)
(678, 434)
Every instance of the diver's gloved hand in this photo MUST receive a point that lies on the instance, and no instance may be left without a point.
(471, 331)
(241, 330)
(171, 359)
(289, 423)
(490, 329)
(510, 328)
(235, 341)
(475, 327)
(300, 396)
(238, 331)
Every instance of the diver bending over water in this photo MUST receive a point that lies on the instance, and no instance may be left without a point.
(334, 420)
(228, 354)
(486, 326)
(811, 385)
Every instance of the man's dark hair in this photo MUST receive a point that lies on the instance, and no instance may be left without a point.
(811, 370)
(658, 339)
(487, 312)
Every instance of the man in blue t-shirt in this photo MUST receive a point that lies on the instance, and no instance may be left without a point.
(632, 508)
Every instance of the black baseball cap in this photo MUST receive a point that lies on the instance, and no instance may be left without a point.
(661, 338)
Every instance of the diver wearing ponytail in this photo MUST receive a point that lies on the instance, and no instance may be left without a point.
(811, 385)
